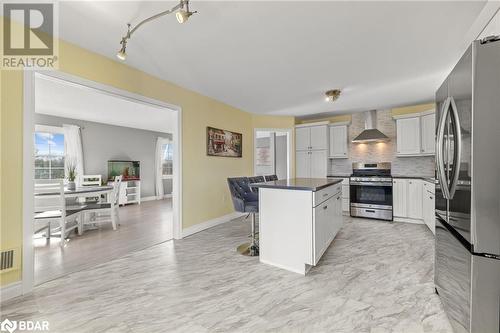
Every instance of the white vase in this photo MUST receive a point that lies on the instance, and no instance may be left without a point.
(71, 186)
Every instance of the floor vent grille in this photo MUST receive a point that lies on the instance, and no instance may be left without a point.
(8, 260)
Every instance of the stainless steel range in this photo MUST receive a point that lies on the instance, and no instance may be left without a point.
(371, 190)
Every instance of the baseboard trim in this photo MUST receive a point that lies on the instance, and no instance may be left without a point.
(11, 290)
(209, 224)
(407, 220)
(148, 198)
(153, 198)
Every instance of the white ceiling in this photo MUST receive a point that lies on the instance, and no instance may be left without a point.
(59, 98)
(280, 57)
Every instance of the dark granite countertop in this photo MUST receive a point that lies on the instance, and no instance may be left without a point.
(339, 175)
(429, 179)
(302, 184)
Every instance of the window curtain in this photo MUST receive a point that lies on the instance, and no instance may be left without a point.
(73, 150)
(159, 167)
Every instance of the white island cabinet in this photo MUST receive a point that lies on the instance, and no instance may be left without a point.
(298, 219)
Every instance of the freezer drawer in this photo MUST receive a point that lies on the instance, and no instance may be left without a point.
(452, 277)
(485, 295)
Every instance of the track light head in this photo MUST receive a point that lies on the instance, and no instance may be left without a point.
(122, 54)
(183, 15)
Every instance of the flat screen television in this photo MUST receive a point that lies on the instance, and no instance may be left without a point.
(130, 170)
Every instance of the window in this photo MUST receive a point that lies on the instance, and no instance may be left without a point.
(167, 159)
(49, 152)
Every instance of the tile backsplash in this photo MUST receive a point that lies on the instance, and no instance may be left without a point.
(381, 151)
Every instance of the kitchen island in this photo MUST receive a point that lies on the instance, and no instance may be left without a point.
(298, 219)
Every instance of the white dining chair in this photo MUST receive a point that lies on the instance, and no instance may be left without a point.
(103, 212)
(50, 206)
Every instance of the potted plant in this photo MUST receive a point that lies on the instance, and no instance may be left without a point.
(71, 171)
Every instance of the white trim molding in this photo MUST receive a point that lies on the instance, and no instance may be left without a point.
(11, 290)
(407, 220)
(319, 123)
(414, 115)
(340, 123)
(210, 223)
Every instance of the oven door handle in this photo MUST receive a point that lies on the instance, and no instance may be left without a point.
(371, 183)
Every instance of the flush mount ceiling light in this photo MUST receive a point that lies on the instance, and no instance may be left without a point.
(182, 13)
(332, 95)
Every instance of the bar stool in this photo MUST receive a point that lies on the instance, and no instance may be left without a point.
(245, 201)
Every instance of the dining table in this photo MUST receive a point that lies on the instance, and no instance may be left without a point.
(83, 191)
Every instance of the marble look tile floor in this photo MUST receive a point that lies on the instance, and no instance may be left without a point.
(375, 277)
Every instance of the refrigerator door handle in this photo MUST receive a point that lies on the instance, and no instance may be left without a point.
(441, 175)
(457, 149)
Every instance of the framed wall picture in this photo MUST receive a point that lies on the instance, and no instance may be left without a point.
(224, 143)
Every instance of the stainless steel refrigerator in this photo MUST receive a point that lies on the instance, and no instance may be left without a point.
(467, 257)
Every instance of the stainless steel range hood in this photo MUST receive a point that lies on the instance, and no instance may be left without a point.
(371, 133)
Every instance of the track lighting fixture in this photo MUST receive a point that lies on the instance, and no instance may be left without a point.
(182, 13)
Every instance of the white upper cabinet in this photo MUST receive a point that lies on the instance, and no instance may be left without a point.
(339, 145)
(311, 137)
(408, 136)
(428, 133)
(415, 134)
(302, 138)
(319, 137)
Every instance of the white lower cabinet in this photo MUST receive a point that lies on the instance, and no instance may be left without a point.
(311, 164)
(345, 194)
(413, 201)
(327, 221)
(399, 197)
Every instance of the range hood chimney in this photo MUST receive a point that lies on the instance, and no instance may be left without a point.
(371, 133)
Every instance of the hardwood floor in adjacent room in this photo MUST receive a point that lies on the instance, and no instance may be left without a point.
(375, 277)
(141, 226)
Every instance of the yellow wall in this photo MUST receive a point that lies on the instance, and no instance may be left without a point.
(332, 119)
(413, 109)
(205, 192)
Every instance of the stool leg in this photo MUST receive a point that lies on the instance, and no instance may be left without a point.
(250, 249)
(254, 248)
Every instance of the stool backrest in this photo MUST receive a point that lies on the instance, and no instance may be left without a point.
(256, 179)
(49, 196)
(240, 192)
(271, 178)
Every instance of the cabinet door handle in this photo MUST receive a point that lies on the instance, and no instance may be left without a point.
(369, 211)
(325, 207)
(325, 194)
(338, 198)
(431, 198)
